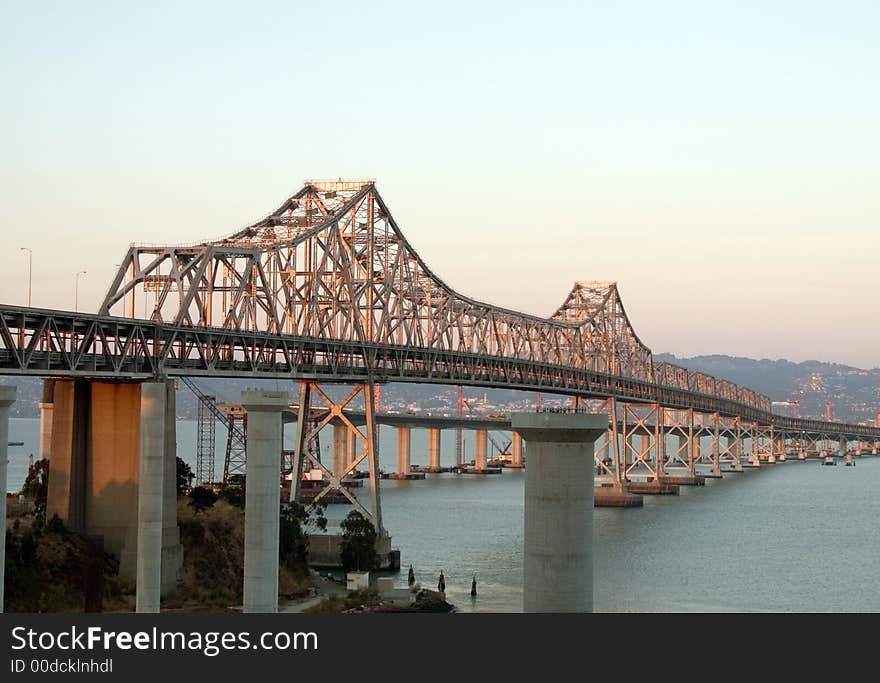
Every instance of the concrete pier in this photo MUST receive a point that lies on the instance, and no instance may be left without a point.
(735, 448)
(558, 526)
(95, 468)
(47, 409)
(404, 458)
(684, 449)
(610, 497)
(351, 447)
(653, 488)
(151, 484)
(434, 449)
(843, 453)
(685, 479)
(262, 504)
(7, 398)
(645, 448)
(516, 453)
(480, 448)
(340, 448)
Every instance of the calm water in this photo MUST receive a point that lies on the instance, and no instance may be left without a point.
(795, 537)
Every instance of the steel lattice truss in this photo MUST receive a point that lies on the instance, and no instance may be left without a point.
(327, 288)
(331, 263)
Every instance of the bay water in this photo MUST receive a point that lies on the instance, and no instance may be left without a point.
(791, 537)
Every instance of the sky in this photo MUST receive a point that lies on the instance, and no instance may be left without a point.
(720, 161)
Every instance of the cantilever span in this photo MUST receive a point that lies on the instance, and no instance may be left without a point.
(332, 263)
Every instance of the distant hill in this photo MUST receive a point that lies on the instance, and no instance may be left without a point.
(854, 393)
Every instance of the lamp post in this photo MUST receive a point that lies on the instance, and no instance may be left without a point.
(76, 291)
(30, 270)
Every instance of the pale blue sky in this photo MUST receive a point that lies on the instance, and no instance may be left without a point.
(721, 161)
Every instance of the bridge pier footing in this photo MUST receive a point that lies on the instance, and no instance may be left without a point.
(614, 497)
(558, 525)
(653, 488)
(685, 479)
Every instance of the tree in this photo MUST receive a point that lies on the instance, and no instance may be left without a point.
(36, 484)
(358, 549)
(293, 543)
(233, 491)
(184, 477)
(201, 498)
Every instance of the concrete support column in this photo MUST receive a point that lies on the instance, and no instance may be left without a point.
(7, 398)
(738, 448)
(558, 525)
(645, 449)
(480, 449)
(351, 447)
(516, 450)
(684, 450)
(340, 444)
(754, 459)
(404, 459)
(172, 550)
(47, 406)
(434, 448)
(716, 453)
(262, 503)
(151, 485)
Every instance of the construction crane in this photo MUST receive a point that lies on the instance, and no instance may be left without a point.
(236, 440)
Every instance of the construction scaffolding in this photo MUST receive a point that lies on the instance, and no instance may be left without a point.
(236, 441)
(205, 441)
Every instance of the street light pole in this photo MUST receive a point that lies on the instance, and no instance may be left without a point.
(76, 291)
(30, 271)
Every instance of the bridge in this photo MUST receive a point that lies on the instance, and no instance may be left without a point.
(326, 289)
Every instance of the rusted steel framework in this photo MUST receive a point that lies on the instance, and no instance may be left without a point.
(205, 442)
(312, 398)
(327, 288)
(235, 463)
(331, 263)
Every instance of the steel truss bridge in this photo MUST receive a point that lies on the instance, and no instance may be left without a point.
(326, 288)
